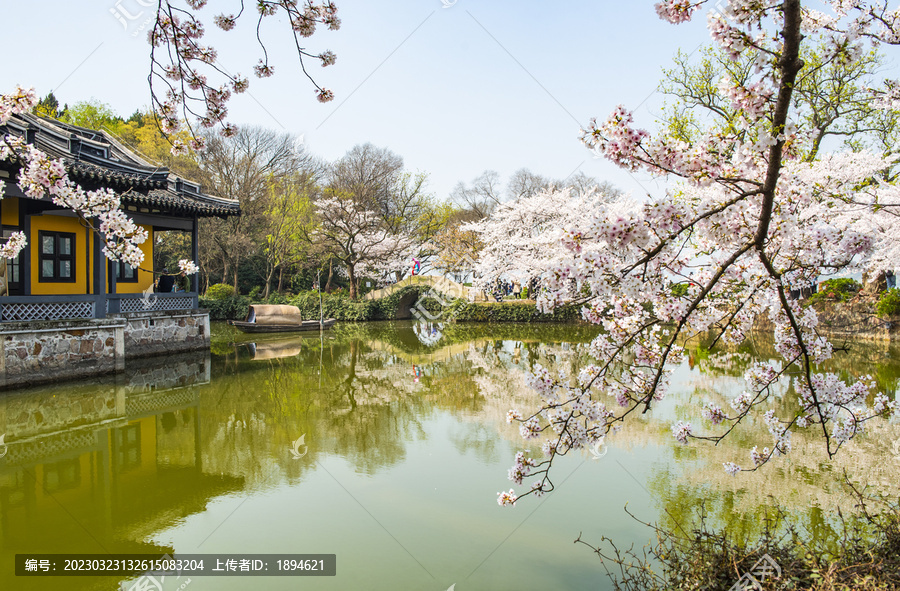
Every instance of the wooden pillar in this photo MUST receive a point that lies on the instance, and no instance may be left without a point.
(87, 261)
(195, 253)
(25, 267)
(113, 303)
(195, 256)
(111, 273)
(97, 278)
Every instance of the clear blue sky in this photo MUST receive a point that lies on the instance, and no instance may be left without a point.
(477, 85)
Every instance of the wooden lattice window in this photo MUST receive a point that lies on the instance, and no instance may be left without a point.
(56, 257)
(125, 273)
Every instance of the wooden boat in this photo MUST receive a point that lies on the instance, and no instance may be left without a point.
(277, 318)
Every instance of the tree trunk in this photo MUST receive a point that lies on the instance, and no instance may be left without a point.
(236, 290)
(330, 273)
(281, 280)
(268, 283)
(351, 272)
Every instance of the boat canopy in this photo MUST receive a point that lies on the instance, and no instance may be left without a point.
(268, 314)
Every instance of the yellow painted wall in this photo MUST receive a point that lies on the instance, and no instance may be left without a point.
(55, 223)
(9, 211)
(81, 285)
(145, 278)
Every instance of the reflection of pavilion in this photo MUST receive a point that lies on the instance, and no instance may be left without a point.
(107, 480)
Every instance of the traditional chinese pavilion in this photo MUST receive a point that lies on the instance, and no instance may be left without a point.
(62, 284)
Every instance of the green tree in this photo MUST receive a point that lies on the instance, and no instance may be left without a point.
(830, 96)
(92, 114)
(48, 107)
(288, 219)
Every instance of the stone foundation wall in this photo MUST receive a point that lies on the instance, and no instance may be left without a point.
(49, 351)
(29, 415)
(57, 350)
(159, 333)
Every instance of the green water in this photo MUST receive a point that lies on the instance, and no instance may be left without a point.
(404, 448)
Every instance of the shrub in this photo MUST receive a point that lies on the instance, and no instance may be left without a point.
(338, 305)
(510, 312)
(219, 291)
(889, 303)
(233, 308)
(276, 298)
(836, 290)
(334, 305)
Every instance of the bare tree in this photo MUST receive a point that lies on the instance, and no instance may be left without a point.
(243, 167)
(482, 196)
(581, 184)
(523, 183)
(370, 174)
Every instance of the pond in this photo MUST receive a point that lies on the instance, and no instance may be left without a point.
(386, 444)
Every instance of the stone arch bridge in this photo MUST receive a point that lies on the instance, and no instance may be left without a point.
(412, 288)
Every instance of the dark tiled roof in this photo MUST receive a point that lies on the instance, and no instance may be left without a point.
(96, 159)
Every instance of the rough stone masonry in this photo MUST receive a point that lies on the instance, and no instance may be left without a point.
(56, 350)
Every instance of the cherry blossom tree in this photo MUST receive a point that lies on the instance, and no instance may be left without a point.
(187, 84)
(524, 237)
(375, 180)
(355, 235)
(747, 215)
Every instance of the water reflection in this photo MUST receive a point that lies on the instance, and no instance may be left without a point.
(82, 457)
(406, 443)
